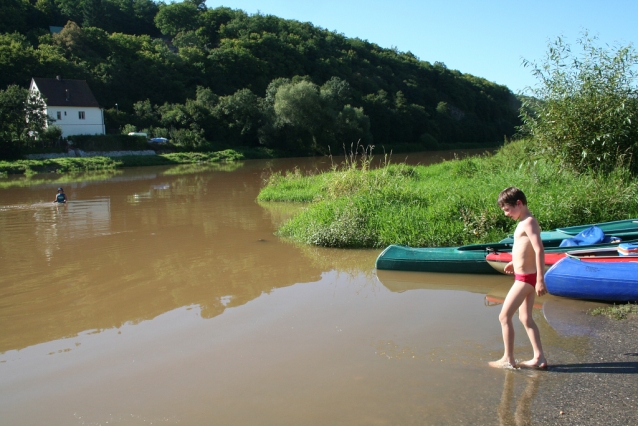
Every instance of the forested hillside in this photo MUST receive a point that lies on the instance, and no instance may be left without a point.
(209, 78)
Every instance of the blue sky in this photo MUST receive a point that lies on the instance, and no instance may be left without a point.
(485, 38)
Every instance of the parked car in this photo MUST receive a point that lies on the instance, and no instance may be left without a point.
(158, 140)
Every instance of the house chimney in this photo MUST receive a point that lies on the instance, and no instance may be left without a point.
(59, 78)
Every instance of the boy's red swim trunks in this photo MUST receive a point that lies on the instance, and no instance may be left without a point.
(526, 278)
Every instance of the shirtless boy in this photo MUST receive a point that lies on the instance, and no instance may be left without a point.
(527, 265)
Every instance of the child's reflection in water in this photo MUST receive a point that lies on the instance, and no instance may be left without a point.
(523, 413)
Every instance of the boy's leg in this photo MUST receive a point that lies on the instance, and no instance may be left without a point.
(525, 316)
(515, 297)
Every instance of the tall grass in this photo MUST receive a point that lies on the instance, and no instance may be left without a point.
(450, 203)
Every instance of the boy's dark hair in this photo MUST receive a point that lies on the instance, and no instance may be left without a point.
(510, 196)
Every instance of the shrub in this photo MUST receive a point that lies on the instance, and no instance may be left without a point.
(586, 111)
(109, 142)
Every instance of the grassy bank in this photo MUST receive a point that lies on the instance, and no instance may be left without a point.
(77, 164)
(617, 312)
(445, 204)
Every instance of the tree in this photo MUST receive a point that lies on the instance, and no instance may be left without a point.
(22, 117)
(14, 15)
(297, 105)
(352, 126)
(240, 112)
(586, 107)
(92, 13)
(72, 9)
(49, 13)
(176, 17)
(144, 114)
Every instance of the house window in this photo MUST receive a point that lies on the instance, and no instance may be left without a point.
(81, 115)
(65, 113)
(59, 115)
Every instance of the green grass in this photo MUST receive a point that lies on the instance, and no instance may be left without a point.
(292, 187)
(446, 204)
(76, 164)
(60, 179)
(617, 312)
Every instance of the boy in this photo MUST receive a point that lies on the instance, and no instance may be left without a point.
(527, 265)
(60, 197)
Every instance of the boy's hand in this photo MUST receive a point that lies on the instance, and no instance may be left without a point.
(541, 288)
(509, 268)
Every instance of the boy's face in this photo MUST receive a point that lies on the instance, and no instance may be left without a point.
(513, 211)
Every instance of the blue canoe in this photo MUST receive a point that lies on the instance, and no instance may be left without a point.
(610, 282)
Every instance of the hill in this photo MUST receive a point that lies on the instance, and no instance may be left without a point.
(213, 78)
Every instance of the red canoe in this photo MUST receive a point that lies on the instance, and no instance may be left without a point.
(498, 260)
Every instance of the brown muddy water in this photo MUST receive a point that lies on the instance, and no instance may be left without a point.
(161, 296)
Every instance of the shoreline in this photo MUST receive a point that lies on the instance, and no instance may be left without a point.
(93, 161)
(104, 160)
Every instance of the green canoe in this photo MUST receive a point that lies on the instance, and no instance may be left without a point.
(470, 259)
(465, 259)
(552, 238)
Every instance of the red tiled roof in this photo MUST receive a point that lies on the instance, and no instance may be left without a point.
(64, 92)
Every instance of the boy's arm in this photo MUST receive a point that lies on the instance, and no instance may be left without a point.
(509, 268)
(533, 231)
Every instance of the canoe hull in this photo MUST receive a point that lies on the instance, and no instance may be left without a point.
(610, 282)
(470, 259)
(594, 253)
(439, 259)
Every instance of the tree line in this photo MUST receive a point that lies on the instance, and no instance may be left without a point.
(210, 78)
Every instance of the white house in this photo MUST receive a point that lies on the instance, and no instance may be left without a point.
(71, 105)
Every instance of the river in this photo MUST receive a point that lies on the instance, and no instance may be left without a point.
(160, 295)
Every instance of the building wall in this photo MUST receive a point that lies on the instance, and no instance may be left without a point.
(71, 123)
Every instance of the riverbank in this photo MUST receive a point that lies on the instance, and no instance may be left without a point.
(83, 161)
(105, 161)
(446, 204)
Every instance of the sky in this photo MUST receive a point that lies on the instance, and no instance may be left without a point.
(488, 38)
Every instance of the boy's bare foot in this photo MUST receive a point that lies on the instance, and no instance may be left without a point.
(540, 364)
(501, 363)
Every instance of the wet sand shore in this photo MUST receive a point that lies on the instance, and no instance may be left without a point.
(601, 388)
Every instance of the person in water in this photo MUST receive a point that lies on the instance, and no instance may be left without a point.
(528, 266)
(60, 197)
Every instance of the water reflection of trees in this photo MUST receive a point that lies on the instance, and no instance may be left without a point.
(196, 239)
(185, 169)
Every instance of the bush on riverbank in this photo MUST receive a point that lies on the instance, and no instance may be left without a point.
(450, 203)
(109, 142)
(584, 111)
